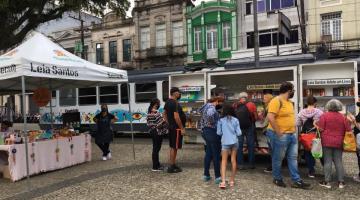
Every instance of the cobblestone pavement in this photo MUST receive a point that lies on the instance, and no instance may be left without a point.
(124, 178)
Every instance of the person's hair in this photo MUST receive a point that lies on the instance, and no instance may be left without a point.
(104, 105)
(173, 90)
(334, 105)
(286, 87)
(267, 91)
(216, 98)
(228, 110)
(153, 102)
(311, 101)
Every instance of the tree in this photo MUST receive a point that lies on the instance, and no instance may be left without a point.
(19, 17)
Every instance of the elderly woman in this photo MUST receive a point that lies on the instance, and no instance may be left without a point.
(333, 126)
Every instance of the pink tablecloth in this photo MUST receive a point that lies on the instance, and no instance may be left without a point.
(47, 155)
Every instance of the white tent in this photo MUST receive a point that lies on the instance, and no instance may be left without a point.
(39, 62)
(41, 59)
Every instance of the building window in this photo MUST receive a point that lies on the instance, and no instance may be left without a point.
(144, 38)
(144, 93)
(124, 94)
(99, 53)
(113, 52)
(268, 5)
(160, 35)
(269, 38)
(177, 32)
(211, 35)
(87, 96)
(109, 95)
(53, 99)
(165, 91)
(331, 25)
(197, 38)
(226, 35)
(127, 50)
(67, 97)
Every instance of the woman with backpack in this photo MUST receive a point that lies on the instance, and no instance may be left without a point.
(157, 128)
(307, 118)
(208, 125)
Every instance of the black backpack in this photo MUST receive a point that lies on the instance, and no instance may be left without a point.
(308, 125)
(243, 115)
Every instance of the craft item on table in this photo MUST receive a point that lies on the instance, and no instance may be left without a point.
(46, 135)
(13, 153)
(10, 140)
(66, 132)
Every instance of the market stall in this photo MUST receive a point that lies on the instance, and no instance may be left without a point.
(40, 66)
(330, 79)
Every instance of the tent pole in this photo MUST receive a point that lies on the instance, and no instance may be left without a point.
(51, 109)
(25, 132)
(131, 121)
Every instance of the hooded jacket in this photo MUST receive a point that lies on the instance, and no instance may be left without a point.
(305, 114)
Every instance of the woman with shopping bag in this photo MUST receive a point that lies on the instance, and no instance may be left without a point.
(333, 125)
(306, 118)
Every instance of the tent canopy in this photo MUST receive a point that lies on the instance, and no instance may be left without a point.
(42, 60)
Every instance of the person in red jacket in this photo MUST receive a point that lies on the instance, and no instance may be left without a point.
(333, 126)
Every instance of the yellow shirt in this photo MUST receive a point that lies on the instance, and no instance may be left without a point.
(285, 114)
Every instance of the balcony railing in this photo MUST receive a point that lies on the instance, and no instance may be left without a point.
(339, 46)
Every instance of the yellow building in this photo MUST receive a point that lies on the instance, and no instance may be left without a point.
(335, 23)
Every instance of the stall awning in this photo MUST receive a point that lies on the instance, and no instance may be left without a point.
(40, 60)
(270, 62)
(153, 74)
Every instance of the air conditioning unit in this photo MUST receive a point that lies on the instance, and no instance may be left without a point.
(326, 38)
(113, 65)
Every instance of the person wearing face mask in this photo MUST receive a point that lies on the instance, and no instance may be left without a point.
(176, 118)
(104, 132)
(157, 128)
(283, 137)
(208, 125)
(355, 120)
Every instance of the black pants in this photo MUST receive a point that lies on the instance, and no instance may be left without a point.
(104, 147)
(157, 142)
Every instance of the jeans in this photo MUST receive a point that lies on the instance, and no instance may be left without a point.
(281, 146)
(250, 141)
(268, 140)
(212, 152)
(157, 141)
(333, 155)
(104, 148)
(310, 162)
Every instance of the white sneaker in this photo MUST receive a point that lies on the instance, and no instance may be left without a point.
(109, 156)
(104, 158)
(341, 185)
(356, 178)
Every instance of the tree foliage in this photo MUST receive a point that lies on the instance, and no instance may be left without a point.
(19, 17)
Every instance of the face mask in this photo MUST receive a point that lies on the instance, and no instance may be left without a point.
(103, 110)
(291, 94)
(218, 107)
(358, 104)
(179, 97)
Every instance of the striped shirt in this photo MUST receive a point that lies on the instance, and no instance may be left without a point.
(156, 122)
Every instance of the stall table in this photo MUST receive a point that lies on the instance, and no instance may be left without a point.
(44, 156)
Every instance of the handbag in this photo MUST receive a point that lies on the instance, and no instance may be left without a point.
(349, 143)
(306, 140)
(316, 149)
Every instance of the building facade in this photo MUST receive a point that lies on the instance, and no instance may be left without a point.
(268, 23)
(112, 42)
(333, 24)
(211, 31)
(159, 33)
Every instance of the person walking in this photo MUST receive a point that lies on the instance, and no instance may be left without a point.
(333, 125)
(176, 118)
(104, 132)
(157, 128)
(266, 100)
(229, 130)
(356, 122)
(307, 118)
(208, 125)
(281, 129)
(246, 113)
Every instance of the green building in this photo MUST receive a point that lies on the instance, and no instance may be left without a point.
(211, 31)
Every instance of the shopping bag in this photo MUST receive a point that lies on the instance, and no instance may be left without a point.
(306, 140)
(349, 143)
(316, 149)
(358, 141)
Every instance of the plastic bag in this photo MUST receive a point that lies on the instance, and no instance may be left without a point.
(316, 149)
(349, 143)
(306, 140)
(358, 141)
